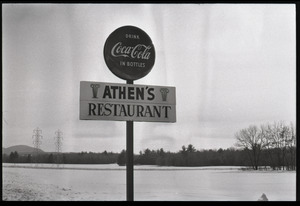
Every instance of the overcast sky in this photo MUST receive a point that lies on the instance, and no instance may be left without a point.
(233, 65)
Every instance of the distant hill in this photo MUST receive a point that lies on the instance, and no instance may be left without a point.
(21, 149)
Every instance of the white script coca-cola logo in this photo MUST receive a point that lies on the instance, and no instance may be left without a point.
(140, 51)
(129, 53)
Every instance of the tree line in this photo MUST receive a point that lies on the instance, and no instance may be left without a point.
(62, 158)
(270, 145)
(188, 156)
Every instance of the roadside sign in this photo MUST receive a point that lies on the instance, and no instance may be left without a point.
(125, 102)
(129, 54)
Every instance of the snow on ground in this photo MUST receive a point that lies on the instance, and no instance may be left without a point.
(62, 184)
(108, 183)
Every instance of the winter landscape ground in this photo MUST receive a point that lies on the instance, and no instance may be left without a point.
(48, 182)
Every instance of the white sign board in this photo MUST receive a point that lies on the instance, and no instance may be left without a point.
(127, 102)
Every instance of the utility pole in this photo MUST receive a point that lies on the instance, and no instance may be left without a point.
(37, 141)
(58, 146)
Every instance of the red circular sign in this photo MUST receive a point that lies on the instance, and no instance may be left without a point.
(129, 53)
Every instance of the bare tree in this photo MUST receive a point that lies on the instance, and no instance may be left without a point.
(280, 141)
(292, 147)
(277, 140)
(267, 134)
(253, 142)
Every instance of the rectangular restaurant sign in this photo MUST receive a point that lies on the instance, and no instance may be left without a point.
(127, 102)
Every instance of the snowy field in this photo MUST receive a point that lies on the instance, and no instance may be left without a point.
(108, 183)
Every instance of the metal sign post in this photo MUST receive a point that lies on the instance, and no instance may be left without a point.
(129, 157)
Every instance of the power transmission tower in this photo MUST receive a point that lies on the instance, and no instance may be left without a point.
(37, 141)
(58, 146)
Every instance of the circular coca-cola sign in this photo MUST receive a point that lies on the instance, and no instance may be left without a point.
(129, 53)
